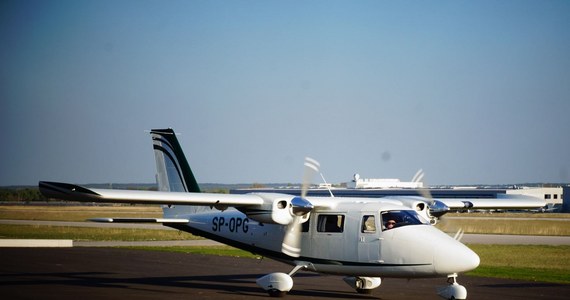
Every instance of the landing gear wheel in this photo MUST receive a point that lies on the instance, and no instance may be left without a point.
(276, 284)
(364, 291)
(454, 290)
(276, 293)
(363, 285)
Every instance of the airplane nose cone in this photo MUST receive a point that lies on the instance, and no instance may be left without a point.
(457, 258)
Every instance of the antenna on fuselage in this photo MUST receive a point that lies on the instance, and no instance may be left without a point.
(327, 185)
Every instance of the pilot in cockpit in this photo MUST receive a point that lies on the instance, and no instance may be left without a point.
(390, 224)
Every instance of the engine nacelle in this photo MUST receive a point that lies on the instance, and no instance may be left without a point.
(276, 209)
(429, 212)
(420, 206)
(438, 209)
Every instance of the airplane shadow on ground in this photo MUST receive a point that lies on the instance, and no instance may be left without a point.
(241, 284)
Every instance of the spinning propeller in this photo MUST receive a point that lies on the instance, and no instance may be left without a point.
(436, 207)
(423, 191)
(300, 207)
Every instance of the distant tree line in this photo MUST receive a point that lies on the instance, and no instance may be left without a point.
(22, 195)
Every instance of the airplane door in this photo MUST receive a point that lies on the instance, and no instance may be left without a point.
(331, 239)
(369, 238)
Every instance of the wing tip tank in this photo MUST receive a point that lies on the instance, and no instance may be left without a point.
(64, 191)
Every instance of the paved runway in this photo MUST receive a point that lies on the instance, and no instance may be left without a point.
(108, 273)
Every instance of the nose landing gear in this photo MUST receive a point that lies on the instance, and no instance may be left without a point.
(453, 290)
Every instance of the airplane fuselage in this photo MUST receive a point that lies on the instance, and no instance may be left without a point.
(349, 239)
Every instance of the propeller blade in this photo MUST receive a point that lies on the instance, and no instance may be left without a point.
(292, 241)
(418, 176)
(299, 207)
(424, 190)
(459, 234)
(311, 168)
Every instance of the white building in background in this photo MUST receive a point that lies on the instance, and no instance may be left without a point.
(382, 183)
(551, 195)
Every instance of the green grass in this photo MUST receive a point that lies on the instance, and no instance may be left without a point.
(76, 213)
(524, 262)
(210, 250)
(527, 274)
(501, 226)
(510, 215)
(90, 234)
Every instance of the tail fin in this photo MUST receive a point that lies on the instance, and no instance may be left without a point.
(173, 172)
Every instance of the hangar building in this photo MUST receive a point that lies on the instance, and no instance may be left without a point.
(373, 188)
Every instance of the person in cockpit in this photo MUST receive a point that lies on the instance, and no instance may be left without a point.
(390, 224)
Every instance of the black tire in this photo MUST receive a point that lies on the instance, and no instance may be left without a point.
(276, 293)
(364, 291)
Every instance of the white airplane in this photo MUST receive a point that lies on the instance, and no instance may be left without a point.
(364, 239)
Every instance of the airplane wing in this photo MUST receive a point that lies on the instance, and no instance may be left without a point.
(66, 191)
(503, 201)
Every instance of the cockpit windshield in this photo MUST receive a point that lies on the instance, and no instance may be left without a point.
(398, 218)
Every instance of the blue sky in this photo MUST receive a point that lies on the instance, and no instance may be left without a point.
(472, 92)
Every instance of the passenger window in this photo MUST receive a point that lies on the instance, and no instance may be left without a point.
(330, 223)
(368, 224)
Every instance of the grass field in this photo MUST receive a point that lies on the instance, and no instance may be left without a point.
(76, 213)
(524, 262)
(540, 226)
(210, 250)
(510, 215)
(90, 234)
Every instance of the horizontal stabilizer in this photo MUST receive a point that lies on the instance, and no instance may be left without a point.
(138, 220)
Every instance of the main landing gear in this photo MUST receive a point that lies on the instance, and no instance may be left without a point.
(278, 284)
(363, 285)
(453, 290)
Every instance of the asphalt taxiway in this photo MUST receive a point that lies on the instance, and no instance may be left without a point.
(112, 273)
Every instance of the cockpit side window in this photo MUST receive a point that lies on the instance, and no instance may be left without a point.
(398, 218)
